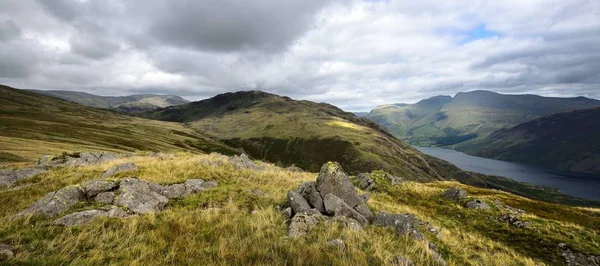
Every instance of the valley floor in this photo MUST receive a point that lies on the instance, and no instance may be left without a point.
(231, 225)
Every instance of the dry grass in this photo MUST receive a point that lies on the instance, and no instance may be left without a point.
(231, 226)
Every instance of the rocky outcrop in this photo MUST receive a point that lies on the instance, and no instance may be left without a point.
(309, 191)
(454, 194)
(77, 159)
(303, 222)
(509, 209)
(56, 203)
(513, 220)
(403, 224)
(9, 177)
(126, 167)
(139, 197)
(243, 162)
(573, 258)
(85, 217)
(6, 252)
(394, 180)
(477, 204)
(335, 206)
(95, 187)
(297, 202)
(365, 182)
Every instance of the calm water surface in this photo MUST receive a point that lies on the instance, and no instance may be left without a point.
(574, 184)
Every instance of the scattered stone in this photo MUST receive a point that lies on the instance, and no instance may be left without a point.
(477, 204)
(336, 244)
(394, 180)
(303, 222)
(573, 258)
(514, 220)
(137, 196)
(56, 203)
(257, 192)
(294, 169)
(176, 191)
(243, 162)
(335, 206)
(9, 177)
(507, 208)
(287, 212)
(195, 185)
(95, 187)
(6, 252)
(402, 261)
(297, 202)
(80, 218)
(403, 224)
(106, 198)
(365, 182)
(333, 180)
(454, 194)
(126, 167)
(436, 254)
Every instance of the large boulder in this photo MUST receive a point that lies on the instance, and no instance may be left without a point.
(9, 177)
(126, 167)
(139, 196)
(303, 222)
(297, 202)
(477, 204)
(333, 180)
(308, 190)
(56, 203)
(403, 224)
(365, 182)
(6, 252)
(335, 206)
(454, 194)
(95, 187)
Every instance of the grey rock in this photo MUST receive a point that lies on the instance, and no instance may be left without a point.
(95, 187)
(305, 187)
(106, 198)
(138, 197)
(436, 254)
(402, 261)
(454, 194)
(297, 202)
(116, 212)
(194, 185)
(335, 206)
(333, 180)
(6, 252)
(477, 204)
(176, 191)
(345, 223)
(303, 222)
(210, 184)
(77, 159)
(126, 167)
(243, 162)
(336, 244)
(9, 177)
(403, 224)
(394, 180)
(573, 258)
(80, 218)
(507, 208)
(308, 190)
(365, 182)
(287, 212)
(55, 203)
(514, 220)
(364, 210)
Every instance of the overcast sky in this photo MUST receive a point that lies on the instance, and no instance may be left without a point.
(353, 54)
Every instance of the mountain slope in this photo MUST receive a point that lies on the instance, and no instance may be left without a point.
(566, 141)
(468, 115)
(139, 102)
(32, 125)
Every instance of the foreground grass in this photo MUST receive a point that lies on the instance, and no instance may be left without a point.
(231, 226)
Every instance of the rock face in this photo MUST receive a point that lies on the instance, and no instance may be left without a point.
(477, 204)
(335, 206)
(243, 162)
(297, 202)
(95, 187)
(56, 203)
(119, 169)
(106, 198)
(6, 252)
(333, 180)
(365, 182)
(9, 177)
(403, 224)
(138, 197)
(77, 159)
(309, 191)
(454, 194)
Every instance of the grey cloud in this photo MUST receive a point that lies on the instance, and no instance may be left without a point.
(9, 30)
(93, 47)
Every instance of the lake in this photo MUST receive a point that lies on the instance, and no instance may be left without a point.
(574, 184)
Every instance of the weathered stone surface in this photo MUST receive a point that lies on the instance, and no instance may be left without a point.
(106, 198)
(126, 167)
(335, 206)
(402, 261)
(195, 185)
(138, 196)
(308, 190)
(243, 162)
(333, 180)
(176, 191)
(336, 244)
(477, 204)
(95, 187)
(454, 194)
(9, 177)
(303, 222)
(80, 218)
(116, 212)
(364, 210)
(287, 212)
(365, 182)
(345, 223)
(436, 254)
(394, 180)
(56, 203)
(77, 159)
(6, 252)
(403, 224)
(297, 202)
(210, 184)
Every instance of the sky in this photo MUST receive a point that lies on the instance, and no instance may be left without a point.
(353, 54)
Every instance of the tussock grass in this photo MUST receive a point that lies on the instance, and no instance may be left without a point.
(231, 226)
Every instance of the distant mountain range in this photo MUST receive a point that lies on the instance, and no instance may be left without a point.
(131, 103)
(477, 122)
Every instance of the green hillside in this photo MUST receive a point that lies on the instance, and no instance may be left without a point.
(566, 141)
(32, 125)
(468, 115)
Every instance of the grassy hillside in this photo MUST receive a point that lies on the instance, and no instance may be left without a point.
(468, 115)
(132, 103)
(231, 226)
(566, 141)
(32, 125)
